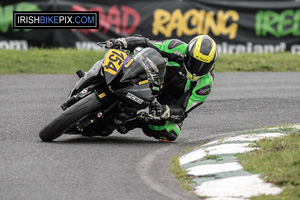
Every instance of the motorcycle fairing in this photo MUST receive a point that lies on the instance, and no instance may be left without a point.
(87, 78)
(138, 96)
(133, 73)
(112, 64)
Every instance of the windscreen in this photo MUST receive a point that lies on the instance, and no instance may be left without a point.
(153, 63)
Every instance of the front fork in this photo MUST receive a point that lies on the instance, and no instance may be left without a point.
(83, 93)
(93, 117)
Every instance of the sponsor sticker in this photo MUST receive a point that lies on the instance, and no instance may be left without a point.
(56, 19)
(134, 98)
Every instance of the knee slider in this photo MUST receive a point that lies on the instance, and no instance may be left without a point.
(172, 135)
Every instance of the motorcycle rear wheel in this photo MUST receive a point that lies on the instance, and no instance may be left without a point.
(77, 111)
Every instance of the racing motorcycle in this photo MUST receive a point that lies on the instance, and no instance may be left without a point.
(117, 89)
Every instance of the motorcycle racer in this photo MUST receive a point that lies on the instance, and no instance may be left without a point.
(188, 81)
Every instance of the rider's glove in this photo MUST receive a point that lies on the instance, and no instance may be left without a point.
(119, 43)
(158, 110)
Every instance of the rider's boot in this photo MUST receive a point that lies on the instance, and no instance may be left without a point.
(128, 126)
(165, 133)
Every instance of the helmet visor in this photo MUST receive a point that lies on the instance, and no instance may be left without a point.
(197, 67)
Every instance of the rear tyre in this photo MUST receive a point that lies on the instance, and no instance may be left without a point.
(80, 109)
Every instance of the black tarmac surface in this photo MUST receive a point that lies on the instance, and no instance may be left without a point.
(131, 166)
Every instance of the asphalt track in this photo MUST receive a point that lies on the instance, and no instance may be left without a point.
(131, 166)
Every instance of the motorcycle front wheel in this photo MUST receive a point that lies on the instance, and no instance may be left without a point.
(70, 116)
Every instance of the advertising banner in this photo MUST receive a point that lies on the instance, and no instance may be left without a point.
(236, 26)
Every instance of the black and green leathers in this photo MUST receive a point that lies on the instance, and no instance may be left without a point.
(179, 93)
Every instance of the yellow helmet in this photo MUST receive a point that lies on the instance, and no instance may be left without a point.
(201, 56)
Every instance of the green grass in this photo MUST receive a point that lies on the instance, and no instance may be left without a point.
(278, 62)
(212, 157)
(68, 61)
(47, 61)
(278, 162)
(180, 173)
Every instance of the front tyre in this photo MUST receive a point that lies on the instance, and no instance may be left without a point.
(80, 109)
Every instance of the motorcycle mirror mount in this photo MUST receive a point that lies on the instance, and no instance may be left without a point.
(102, 44)
(80, 73)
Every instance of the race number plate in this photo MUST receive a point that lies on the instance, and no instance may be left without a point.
(114, 61)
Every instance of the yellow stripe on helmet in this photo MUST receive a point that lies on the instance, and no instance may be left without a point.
(198, 55)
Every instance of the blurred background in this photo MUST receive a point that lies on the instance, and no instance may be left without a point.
(238, 26)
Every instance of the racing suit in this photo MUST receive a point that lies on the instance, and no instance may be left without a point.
(179, 93)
